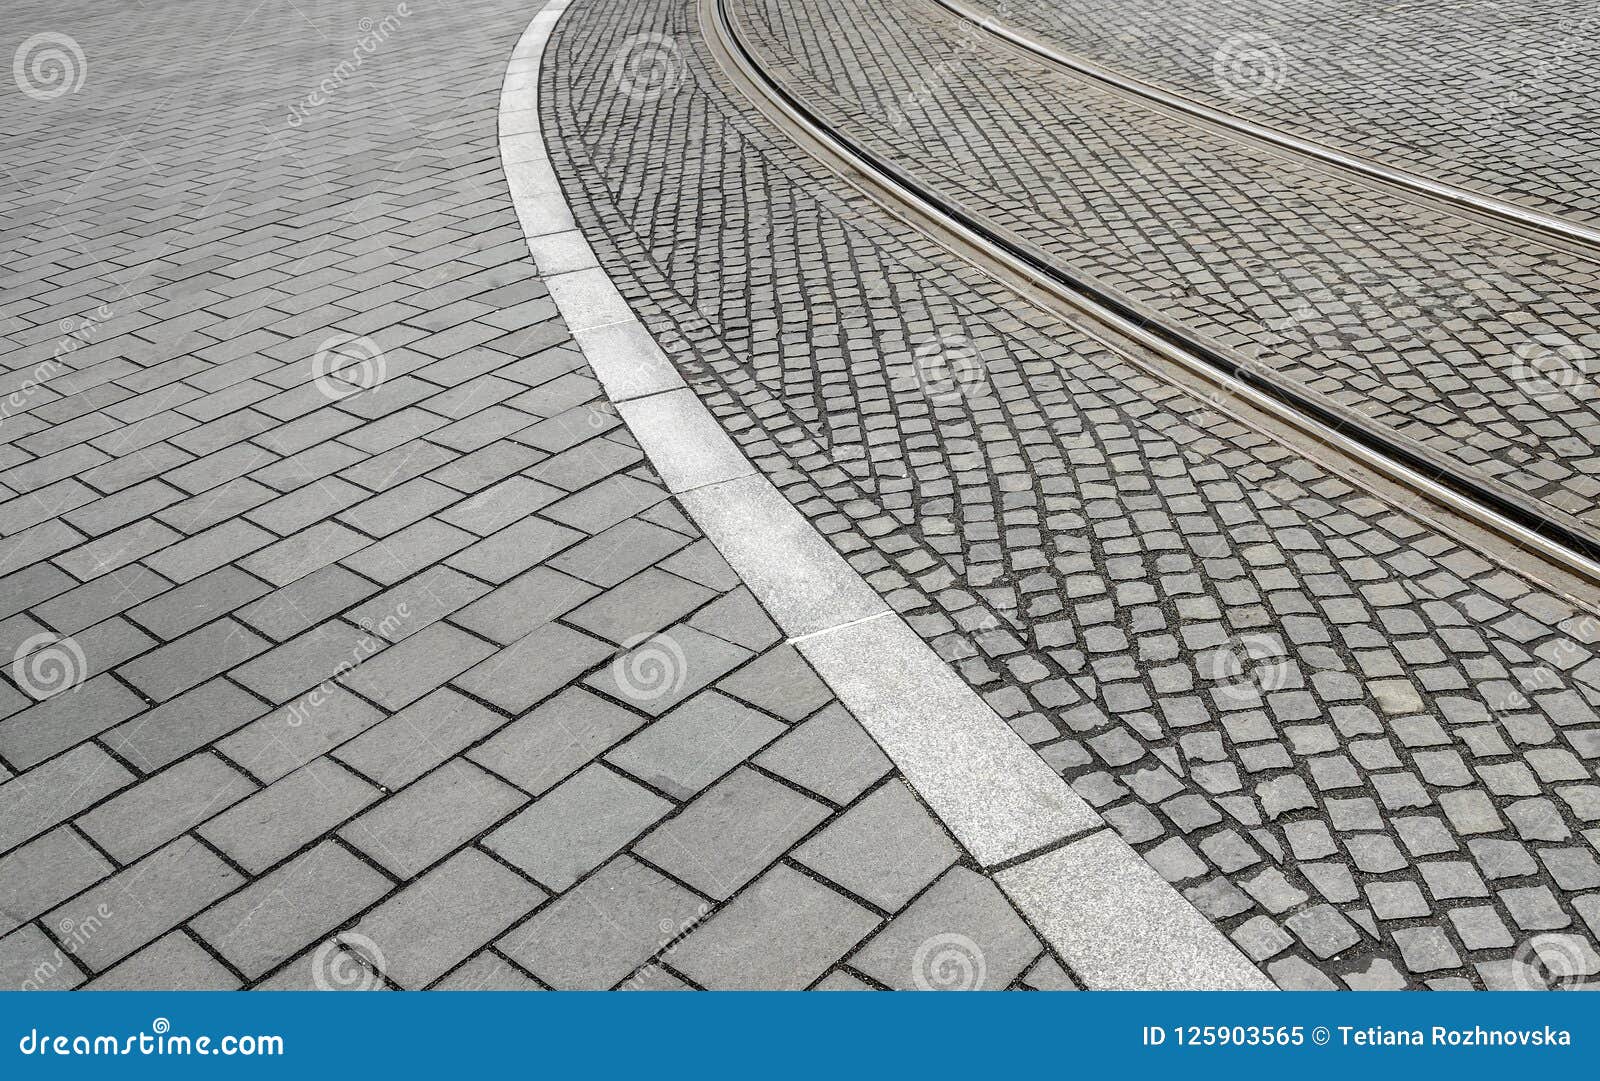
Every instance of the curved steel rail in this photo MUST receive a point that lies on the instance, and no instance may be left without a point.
(1452, 195)
(1019, 264)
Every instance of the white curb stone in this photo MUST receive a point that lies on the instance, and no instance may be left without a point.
(1094, 899)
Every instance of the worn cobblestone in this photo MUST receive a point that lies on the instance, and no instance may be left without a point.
(1298, 672)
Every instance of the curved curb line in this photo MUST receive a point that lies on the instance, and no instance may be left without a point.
(1097, 901)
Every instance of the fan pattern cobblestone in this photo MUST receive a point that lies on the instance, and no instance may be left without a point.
(1479, 346)
(1367, 753)
(408, 676)
(1501, 99)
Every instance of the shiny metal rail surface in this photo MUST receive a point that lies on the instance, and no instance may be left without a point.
(1503, 211)
(1129, 330)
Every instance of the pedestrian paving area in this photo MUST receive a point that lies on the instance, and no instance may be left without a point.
(351, 642)
(1365, 750)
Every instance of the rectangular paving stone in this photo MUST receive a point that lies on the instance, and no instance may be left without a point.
(288, 738)
(157, 809)
(407, 671)
(405, 609)
(576, 827)
(65, 720)
(829, 754)
(44, 872)
(38, 542)
(692, 746)
(539, 750)
(325, 651)
(173, 962)
(425, 821)
(963, 913)
(597, 933)
(413, 548)
(523, 604)
(731, 833)
(177, 666)
(619, 553)
(514, 549)
(533, 667)
(498, 506)
(288, 814)
(646, 603)
(885, 849)
(299, 555)
(268, 921)
(782, 933)
(31, 962)
(429, 927)
(141, 902)
(396, 751)
(88, 604)
(301, 605)
(180, 610)
(55, 791)
(664, 669)
(118, 549)
(189, 559)
(176, 727)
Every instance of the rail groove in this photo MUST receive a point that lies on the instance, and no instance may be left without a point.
(1453, 196)
(1141, 337)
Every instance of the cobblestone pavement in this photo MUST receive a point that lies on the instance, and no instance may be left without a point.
(1479, 346)
(1502, 98)
(401, 672)
(1367, 753)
